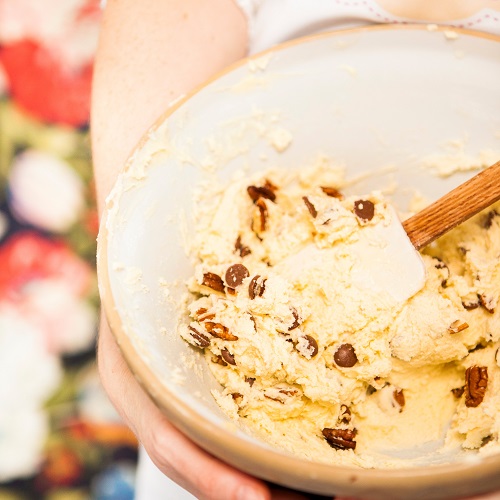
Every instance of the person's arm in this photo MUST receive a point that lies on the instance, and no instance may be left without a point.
(150, 52)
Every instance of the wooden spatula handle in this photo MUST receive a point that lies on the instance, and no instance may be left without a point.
(455, 207)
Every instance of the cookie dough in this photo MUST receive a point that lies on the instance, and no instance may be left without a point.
(319, 364)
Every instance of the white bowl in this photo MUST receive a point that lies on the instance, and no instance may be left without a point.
(379, 99)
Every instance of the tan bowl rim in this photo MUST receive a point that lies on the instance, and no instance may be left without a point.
(223, 444)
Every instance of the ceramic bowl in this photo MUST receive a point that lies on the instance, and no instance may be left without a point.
(384, 102)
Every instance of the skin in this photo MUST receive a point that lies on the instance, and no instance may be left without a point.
(150, 53)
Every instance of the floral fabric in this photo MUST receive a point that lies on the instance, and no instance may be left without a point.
(59, 436)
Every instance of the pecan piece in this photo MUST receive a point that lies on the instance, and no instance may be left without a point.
(240, 248)
(256, 287)
(213, 281)
(219, 331)
(469, 306)
(200, 340)
(266, 191)
(345, 414)
(228, 357)
(340, 439)
(281, 395)
(250, 380)
(458, 326)
(296, 319)
(332, 192)
(488, 220)
(476, 382)
(310, 207)
(218, 360)
(263, 213)
(487, 303)
(458, 391)
(399, 397)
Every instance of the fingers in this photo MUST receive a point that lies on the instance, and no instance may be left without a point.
(175, 455)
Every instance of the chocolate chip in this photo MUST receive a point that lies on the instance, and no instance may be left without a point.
(364, 209)
(240, 248)
(333, 192)
(227, 357)
(256, 287)
(345, 356)
(310, 207)
(220, 331)
(235, 275)
(340, 439)
(312, 345)
(213, 281)
(199, 339)
(476, 382)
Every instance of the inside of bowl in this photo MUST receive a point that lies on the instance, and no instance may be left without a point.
(381, 110)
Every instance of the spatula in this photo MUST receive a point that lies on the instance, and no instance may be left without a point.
(455, 207)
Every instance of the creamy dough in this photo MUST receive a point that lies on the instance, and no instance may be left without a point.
(324, 368)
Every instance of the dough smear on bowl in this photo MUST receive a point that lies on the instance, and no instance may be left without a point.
(314, 361)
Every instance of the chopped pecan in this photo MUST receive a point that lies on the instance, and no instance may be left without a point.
(458, 326)
(263, 214)
(240, 248)
(228, 357)
(213, 281)
(266, 191)
(470, 305)
(310, 207)
(218, 360)
(476, 382)
(281, 395)
(399, 397)
(333, 192)
(345, 414)
(256, 287)
(340, 439)
(237, 397)
(487, 303)
(199, 339)
(296, 319)
(250, 380)
(488, 220)
(458, 391)
(219, 331)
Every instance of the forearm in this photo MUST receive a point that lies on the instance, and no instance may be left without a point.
(151, 52)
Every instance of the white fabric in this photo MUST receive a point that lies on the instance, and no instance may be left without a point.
(275, 21)
(151, 484)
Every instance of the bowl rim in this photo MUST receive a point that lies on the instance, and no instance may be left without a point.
(252, 458)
